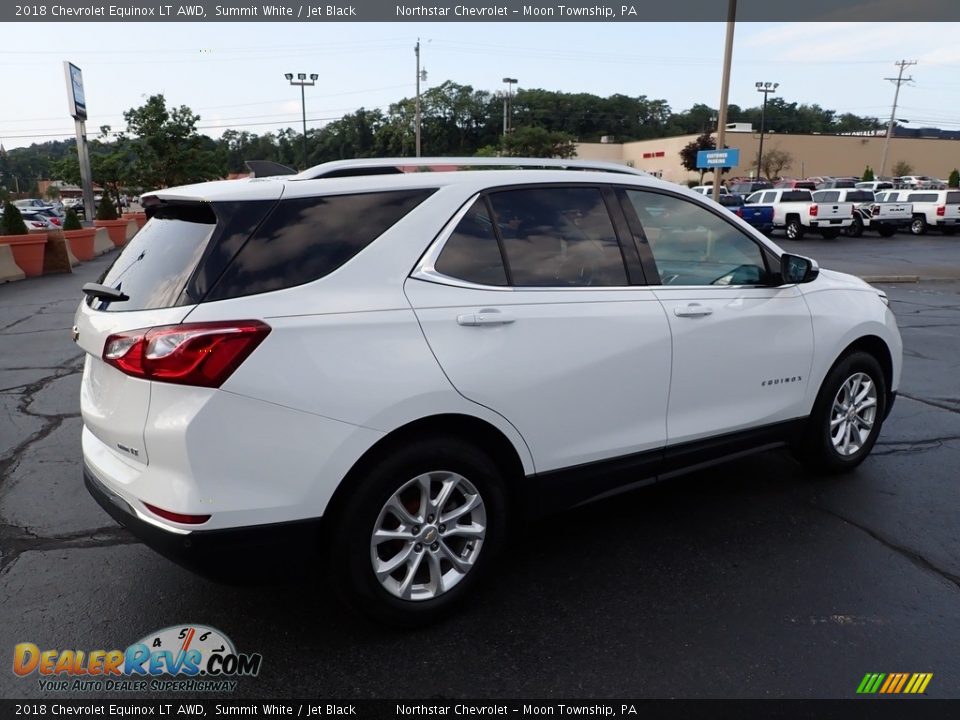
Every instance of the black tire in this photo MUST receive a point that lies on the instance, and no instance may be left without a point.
(952, 230)
(854, 229)
(830, 234)
(350, 557)
(816, 449)
(918, 226)
(887, 230)
(794, 230)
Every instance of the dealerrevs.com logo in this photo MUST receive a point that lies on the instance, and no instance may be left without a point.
(186, 658)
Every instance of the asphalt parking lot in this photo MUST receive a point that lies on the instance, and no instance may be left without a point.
(751, 580)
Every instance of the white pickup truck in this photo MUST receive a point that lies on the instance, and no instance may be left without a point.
(939, 209)
(796, 212)
(870, 212)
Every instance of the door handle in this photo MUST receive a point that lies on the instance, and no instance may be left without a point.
(693, 310)
(485, 317)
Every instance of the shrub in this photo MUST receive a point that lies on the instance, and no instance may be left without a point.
(954, 180)
(71, 221)
(13, 223)
(106, 210)
(868, 174)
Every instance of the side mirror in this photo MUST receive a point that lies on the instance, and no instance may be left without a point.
(797, 269)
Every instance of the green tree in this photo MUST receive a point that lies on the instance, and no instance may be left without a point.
(71, 221)
(868, 174)
(539, 142)
(954, 179)
(13, 223)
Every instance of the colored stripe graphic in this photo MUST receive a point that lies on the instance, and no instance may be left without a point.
(894, 683)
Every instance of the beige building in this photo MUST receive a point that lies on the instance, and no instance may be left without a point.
(811, 155)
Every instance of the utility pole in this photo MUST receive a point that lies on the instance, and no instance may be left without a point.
(898, 81)
(416, 50)
(508, 105)
(724, 92)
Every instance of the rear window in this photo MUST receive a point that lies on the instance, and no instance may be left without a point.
(304, 239)
(860, 196)
(827, 196)
(796, 196)
(155, 265)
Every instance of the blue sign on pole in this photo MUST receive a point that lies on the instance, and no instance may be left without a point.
(727, 158)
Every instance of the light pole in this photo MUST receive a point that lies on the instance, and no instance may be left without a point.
(766, 88)
(302, 81)
(508, 104)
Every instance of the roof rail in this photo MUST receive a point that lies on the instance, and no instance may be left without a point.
(268, 168)
(383, 166)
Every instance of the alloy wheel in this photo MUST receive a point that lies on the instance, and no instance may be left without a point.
(853, 414)
(428, 536)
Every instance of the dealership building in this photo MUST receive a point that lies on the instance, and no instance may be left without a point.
(812, 155)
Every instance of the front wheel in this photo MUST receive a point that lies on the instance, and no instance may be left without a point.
(846, 417)
(418, 531)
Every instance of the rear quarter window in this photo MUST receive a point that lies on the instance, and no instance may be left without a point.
(304, 239)
(953, 198)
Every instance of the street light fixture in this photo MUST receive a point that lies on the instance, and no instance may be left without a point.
(766, 88)
(303, 82)
(508, 104)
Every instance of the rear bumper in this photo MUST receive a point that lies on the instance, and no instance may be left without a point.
(219, 554)
(949, 222)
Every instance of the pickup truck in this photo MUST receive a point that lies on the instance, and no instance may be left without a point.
(869, 212)
(939, 209)
(796, 212)
(758, 216)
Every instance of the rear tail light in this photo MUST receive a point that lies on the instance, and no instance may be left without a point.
(814, 210)
(177, 517)
(941, 211)
(876, 210)
(201, 354)
(739, 212)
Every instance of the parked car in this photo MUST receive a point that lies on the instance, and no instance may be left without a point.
(747, 188)
(835, 184)
(708, 190)
(35, 220)
(399, 367)
(54, 218)
(932, 209)
(886, 218)
(795, 212)
(874, 185)
(31, 203)
(795, 185)
(757, 216)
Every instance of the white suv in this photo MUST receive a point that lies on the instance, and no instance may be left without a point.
(398, 365)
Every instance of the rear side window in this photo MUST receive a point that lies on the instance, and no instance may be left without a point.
(953, 198)
(156, 264)
(922, 197)
(304, 239)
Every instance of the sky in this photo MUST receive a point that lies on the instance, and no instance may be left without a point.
(232, 74)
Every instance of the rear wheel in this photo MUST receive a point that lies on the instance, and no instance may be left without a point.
(831, 234)
(918, 226)
(846, 417)
(886, 230)
(854, 229)
(952, 230)
(794, 229)
(419, 531)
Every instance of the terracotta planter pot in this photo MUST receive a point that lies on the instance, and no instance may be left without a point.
(117, 230)
(27, 251)
(81, 242)
(139, 217)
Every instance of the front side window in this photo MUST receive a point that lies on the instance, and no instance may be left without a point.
(558, 237)
(693, 246)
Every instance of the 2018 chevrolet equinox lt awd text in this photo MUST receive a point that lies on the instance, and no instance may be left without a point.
(409, 361)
